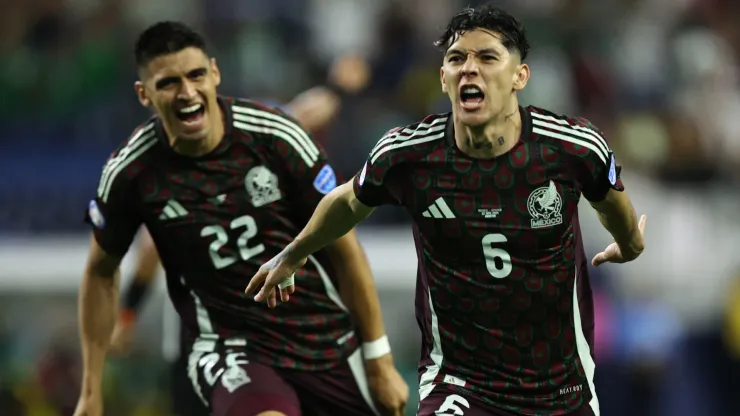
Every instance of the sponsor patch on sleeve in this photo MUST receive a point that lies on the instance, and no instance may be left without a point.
(612, 170)
(96, 217)
(326, 180)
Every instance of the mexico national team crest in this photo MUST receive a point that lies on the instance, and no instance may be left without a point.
(262, 186)
(544, 205)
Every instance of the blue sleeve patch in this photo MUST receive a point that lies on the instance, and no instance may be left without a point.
(326, 180)
(612, 170)
(96, 217)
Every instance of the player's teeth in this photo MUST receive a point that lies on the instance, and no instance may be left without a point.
(191, 109)
(471, 90)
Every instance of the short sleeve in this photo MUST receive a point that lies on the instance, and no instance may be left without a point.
(370, 183)
(594, 163)
(113, 215)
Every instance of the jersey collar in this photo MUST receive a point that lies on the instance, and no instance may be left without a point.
(526, 127)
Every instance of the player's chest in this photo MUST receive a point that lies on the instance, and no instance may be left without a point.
(203, 193)
(522, 192)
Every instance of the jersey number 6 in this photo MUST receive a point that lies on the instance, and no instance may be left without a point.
(498, 261)
(222, 238)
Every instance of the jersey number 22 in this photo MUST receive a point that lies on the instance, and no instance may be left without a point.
(222, 238)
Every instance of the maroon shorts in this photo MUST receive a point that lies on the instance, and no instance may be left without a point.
(230, 384)
(444, 401)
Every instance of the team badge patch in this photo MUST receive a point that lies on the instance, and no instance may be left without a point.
(262, 186)
(326, 180)
(612, 170)
(544, 205)
(96, 217)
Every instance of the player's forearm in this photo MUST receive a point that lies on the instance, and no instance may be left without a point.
(137, 291)
(357, 287)
(97, 316)
(621, 222)
(334, 217)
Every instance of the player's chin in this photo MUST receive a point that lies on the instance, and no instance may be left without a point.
(473, 118)
(193, 133)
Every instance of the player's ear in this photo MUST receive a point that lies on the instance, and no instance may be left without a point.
(141, 93)
(521, 76)
(216, 72)
(443, 79)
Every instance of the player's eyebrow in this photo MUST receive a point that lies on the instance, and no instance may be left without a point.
(197, 71)
(484, 51)
(161, 83)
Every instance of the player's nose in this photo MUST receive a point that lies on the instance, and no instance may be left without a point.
(469, 67)
(187, 91)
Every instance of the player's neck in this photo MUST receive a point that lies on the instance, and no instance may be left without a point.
(491, 139)
(195, 148)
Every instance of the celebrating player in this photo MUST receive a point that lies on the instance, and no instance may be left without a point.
(503, 296)
(222, 185)
(313, 109)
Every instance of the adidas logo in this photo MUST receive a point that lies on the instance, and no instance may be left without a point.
(438, 209)
(173, 210)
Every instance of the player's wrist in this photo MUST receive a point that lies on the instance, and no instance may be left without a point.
(378, 348)
(133, 297)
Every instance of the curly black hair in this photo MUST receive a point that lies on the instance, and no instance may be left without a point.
(488, 17)
(164, 38)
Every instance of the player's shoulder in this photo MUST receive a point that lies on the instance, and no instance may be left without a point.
(274, 130)
(246, 110)
(411, 141)
(129, 158)
(573, 134)
(142, 138)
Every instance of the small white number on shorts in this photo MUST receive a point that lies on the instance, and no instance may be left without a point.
(451, 406)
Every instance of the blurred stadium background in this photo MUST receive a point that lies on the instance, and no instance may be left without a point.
(660, 77)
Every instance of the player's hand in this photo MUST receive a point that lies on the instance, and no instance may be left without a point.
(350, 72)
(390, 392)
(121, 339)
(89, 405)
(614, 254)
(275, 274)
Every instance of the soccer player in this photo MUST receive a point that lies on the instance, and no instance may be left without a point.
(503, 297)
(222, 185)
(313, 109)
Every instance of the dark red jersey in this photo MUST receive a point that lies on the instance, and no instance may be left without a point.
(216, 219)
(503, 296)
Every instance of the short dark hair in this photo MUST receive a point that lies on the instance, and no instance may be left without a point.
(164, 38)
(488, 17)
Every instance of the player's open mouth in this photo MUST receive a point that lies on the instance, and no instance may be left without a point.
(191, 116)
(471, 97)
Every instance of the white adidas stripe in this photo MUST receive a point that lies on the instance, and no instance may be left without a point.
(421, 128)
(111, 163)
(269, 119)
(300, 139)
(309, 160)
(439, 209)
(172, 210)
(579, 135)
(593, 133)
(395, 138)
(140, 143)
(570, 139)
(404, 144)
